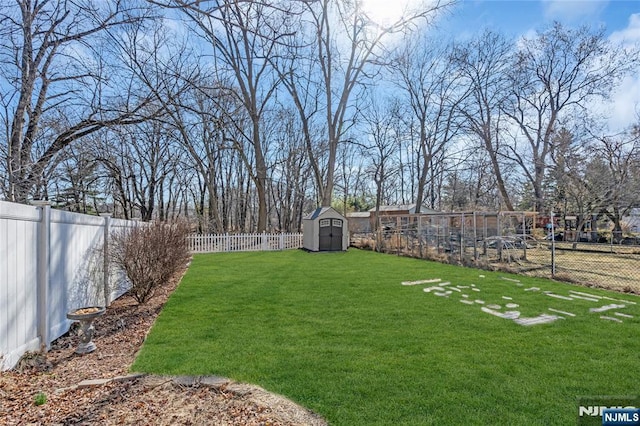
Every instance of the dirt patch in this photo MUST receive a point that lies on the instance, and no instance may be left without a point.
(44, 388)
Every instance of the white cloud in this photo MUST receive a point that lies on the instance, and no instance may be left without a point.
(570, 10)
(625, 104)
(626, 99)
(629, 35)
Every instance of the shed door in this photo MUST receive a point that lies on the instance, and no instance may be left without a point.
(330, 235)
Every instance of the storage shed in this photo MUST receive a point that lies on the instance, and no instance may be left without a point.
(325, 230)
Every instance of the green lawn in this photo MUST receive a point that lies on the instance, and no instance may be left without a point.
(339, 334)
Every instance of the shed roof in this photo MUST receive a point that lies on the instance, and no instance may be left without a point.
(320, 211)
(411, 208)
(359, 215)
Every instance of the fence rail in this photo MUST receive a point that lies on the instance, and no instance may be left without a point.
(217, 243)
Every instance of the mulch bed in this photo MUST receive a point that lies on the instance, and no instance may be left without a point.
(44, 388)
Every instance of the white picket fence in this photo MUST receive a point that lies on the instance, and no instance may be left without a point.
(215, 243)
(51, 262)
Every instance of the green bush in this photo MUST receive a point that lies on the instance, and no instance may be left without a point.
(150, 254)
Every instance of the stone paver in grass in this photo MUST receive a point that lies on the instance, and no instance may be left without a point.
(512, 315)
(592, 296)
(606, 308)
(446, 289)
(558, 296)
(628, 302)
(562, 312)
(590, 299)
(429, 281)
(540, 319)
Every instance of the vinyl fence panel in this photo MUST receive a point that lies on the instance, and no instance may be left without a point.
(51, 262)
(18, 281)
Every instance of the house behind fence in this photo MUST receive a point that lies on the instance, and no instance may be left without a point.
(51, 262)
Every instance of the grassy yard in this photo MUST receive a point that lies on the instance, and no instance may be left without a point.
(338, 333)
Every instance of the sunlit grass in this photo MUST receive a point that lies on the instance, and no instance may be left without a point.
(338, 333)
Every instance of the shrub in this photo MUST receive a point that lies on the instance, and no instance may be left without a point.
(150, 254)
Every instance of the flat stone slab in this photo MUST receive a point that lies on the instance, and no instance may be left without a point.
(128, 377)
(434, 280)
(629, 302)
(562, 312)
(239, 389)
(559, 296)
(512, 315)
(63, 390)
(593, 296)
(606, 308)
(604, 317)
(540, 319)
(590, 299)
(92, 383)
(214, 381)
(187, 380)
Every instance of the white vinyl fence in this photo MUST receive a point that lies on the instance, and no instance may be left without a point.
(214, 243)
(51, 262)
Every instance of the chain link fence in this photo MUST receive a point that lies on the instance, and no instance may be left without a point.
(507, 241)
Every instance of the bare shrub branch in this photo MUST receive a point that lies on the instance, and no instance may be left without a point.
(150, 255)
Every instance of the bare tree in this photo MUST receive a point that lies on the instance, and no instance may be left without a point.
(483, 63)
(556, 73)
(244, 35)
(74, 181)
(346, 48)
(141, 160)
(55, 87)
(596, 176)
(380, 146)
(430, 84)
(289, 176)
(615, 170)
(351, 181)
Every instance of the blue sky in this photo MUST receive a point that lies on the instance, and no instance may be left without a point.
(620, 18)
(518, 17)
